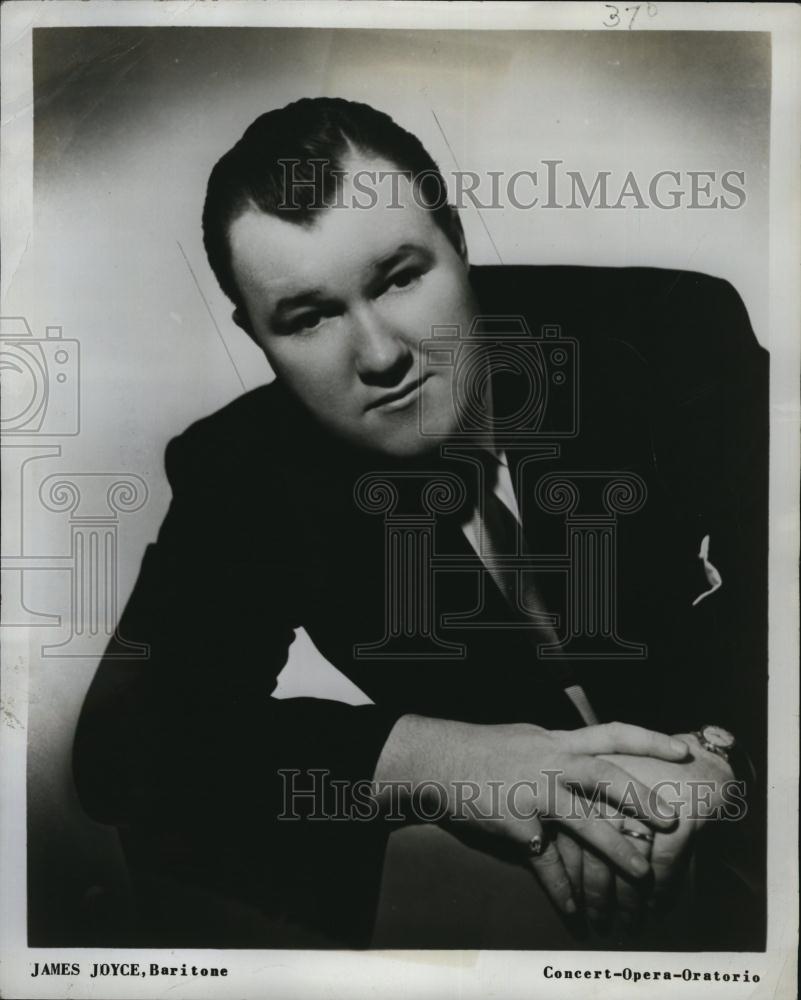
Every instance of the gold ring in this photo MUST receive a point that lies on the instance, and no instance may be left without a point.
(536, 845)
(637, 835)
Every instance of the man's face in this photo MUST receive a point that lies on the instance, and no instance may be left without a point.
(340, 309)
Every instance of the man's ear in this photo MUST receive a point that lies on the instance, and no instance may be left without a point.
(456, 233)
(240, 317)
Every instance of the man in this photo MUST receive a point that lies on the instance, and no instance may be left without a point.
(274, 525)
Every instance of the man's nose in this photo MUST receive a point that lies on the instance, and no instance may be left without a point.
(382, 355)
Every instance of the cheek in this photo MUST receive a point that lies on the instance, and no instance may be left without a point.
(314, 371)
(446, 302)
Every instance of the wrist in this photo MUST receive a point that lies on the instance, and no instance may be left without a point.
(706, 783)
(420, 750)
(717, 762)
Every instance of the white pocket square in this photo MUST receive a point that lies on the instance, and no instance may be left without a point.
(713, 577)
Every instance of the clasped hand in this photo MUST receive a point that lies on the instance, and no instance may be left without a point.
(596, 885)
(569, 790)
(564, 797)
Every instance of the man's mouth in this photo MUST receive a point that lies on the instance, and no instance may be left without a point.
(398, 399)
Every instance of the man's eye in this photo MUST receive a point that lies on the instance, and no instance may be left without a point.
(308, 321)
(404, 278)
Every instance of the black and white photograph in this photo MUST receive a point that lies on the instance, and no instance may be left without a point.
(400, 469)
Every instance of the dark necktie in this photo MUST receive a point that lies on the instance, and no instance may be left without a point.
(501, 535)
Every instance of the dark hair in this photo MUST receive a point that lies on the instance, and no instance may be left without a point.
(308, 141)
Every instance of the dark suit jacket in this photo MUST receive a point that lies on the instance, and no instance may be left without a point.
(263, 536)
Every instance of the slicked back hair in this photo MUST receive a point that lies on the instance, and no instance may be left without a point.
(288, 163)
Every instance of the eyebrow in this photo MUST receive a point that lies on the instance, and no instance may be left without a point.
(311, 297)
(380, 268)
(384, 264)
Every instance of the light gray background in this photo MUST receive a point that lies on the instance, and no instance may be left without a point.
(128, 123)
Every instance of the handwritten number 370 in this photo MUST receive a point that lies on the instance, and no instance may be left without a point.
(614, 19)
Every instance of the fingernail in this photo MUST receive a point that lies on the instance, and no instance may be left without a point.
(570, 906)
(679, 747)
(639, 865)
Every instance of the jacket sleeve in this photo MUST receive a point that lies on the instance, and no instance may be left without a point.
(193, 723)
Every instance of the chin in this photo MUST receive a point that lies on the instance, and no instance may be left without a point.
(401, 438)
(406, 442)
(407, 447)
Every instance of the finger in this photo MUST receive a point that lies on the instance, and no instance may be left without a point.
(669, 862)
(620, 737)
(597, 882)
(631, 895)
(551, 872)
(572, 858)
(600, 833)
(544, 859)
(595, 776)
